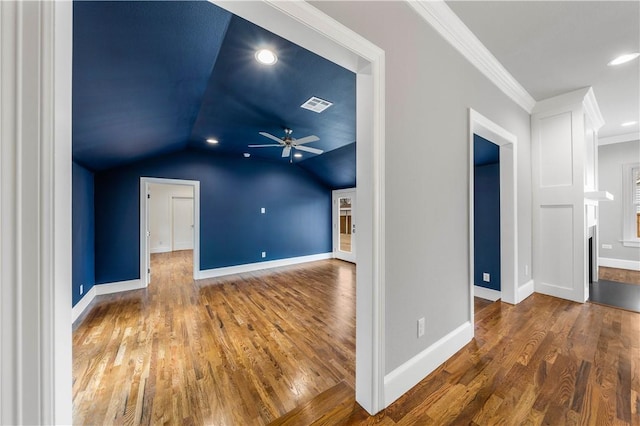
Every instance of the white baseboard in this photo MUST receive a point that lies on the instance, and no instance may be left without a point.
(117, 287)
(160, 249)
(183, 246)
(525, 291)
(99, 289)
(82, 304)
(409, 374)
(486, 293)
(633, 265)
(250, 267)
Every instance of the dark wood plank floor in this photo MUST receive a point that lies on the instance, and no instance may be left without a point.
(545, 361)
(238, 350)
(249, 349)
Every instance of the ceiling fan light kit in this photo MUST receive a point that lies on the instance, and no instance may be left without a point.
(288, 144)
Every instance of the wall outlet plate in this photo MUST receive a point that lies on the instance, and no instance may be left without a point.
(263, 210)
(486, 277)
(81, 289)
(421, 327)
(264, 254)
(607, 246)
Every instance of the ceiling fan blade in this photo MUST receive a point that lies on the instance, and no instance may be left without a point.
(309, 149)
(262, 146)
(286, 151)
(307, 139)
(270, 136)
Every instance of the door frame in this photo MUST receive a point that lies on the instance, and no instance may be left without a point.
(145, 250)
(335, 224)
(507, 142)
(41, 32)
(303, 24)
(193, 225)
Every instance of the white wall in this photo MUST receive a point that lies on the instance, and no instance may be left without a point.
(610, 160)
(160, 214)
(429, 87)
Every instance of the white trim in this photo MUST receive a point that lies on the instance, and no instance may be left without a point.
(144, 250)
(627, 137)
(525, 290)
(335, 224)
(258, 266)
(311, 29)
(414, 370)
(83, 304)
(452, 29)
(117, 287)
(160, 249)
(35, 212)
(486, 293)
(633, 265)
(508, 143)
(592, 110)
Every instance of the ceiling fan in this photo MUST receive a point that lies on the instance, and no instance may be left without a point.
(287, 142)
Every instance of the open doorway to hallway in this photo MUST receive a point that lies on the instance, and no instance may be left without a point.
(171, 224)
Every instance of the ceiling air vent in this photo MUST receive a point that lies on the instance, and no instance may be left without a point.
(316, 104)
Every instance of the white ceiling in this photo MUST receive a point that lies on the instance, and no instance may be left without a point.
(554, 47)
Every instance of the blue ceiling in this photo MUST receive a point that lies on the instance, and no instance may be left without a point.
(156, 77)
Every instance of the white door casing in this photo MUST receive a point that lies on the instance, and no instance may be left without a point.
(482, 126)
(145, 249)
(344, 240)
(43, 395)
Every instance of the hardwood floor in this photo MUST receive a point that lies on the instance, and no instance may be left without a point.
(238, 350)
(278, 347)
(545, 361)
(619, 275)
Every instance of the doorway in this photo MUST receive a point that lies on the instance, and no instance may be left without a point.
(169, 220)
(297, 21)
(486, 216)
(509, 292)
(344, 224)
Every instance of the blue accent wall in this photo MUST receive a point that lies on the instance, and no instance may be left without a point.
(487, 215)
(232, 192)
(83, 231)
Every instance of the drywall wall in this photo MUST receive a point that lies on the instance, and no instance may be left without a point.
(610, 160)
(297, 219)
(83, 236)
(161, 214)
(429, 88)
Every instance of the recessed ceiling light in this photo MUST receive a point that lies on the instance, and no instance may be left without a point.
(266, 56)
(297, 155)
(629, 123)
(246, 155)
(624, 58)
(212, 141)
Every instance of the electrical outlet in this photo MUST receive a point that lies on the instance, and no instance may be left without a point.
(607, 246)
(526, 270)
(486, 277)
(81, 289)
(264, 254)
(421, 327)
(263, 210)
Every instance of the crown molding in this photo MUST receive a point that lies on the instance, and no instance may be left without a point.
(627, 137)
(451, 27)
(593, 110)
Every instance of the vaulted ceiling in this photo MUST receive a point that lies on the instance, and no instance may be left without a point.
(158, 77)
